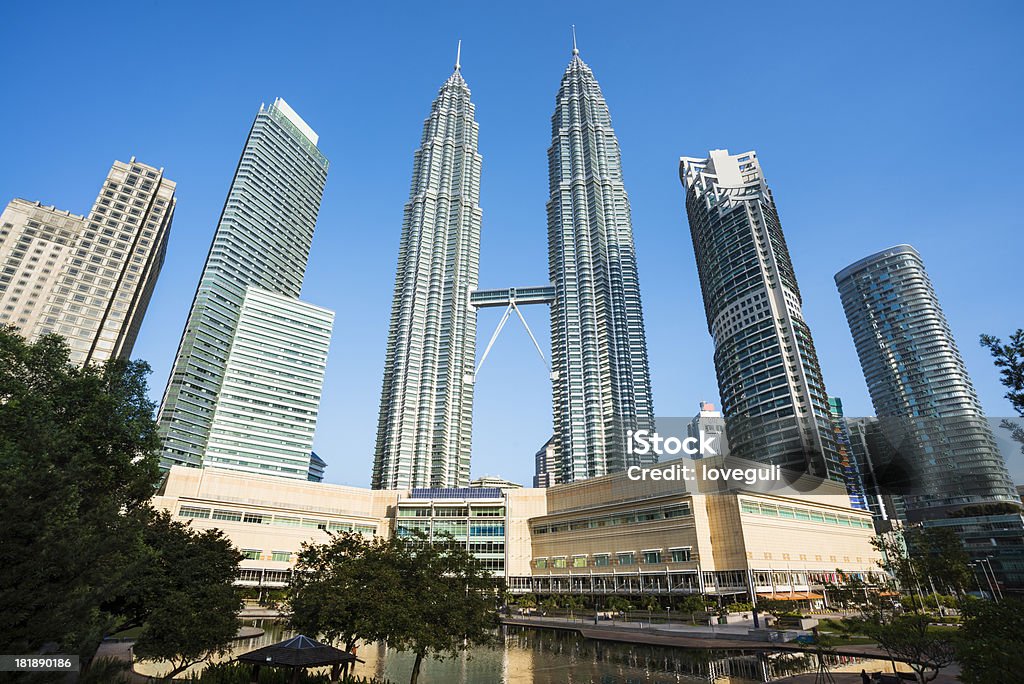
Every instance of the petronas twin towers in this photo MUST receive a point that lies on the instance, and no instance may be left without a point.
(426, 408)
(600, 378)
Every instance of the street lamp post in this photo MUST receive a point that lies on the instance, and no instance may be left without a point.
(999, 590)
(974, 571)
(991, 588)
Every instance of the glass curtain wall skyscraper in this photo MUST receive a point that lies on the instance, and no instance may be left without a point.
(921, 392)
(262, 240)
(424, 433)
(266, 411)
(773, 395)
(601, 380)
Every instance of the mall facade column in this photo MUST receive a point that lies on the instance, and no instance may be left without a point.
(919, 386)
(424, 432)
(773, 395)
(262, 240)
(601, 382)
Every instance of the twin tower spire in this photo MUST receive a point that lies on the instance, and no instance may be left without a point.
(600, 376)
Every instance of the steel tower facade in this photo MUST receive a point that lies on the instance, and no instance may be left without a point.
(424, 433)
(600, 374)
(773, 395)
(262, 240)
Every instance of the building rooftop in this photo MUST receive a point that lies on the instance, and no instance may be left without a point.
(861, 263)
(289, 113)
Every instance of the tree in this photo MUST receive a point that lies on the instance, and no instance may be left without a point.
(447, 602)
(82, 552)
(824, 649)
(340, 590)
(939, 557)
(527, 602)
(619, 604)
(431, 598)
(651, 604)
(930, 556)
(573, 604)
(188, 610)
(990, 645)
(691, 603)
(774, 606)
(907, 638)
(78, 466)
(1009, 359)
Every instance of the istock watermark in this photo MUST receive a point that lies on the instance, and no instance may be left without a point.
(646, 443)
(700, 471)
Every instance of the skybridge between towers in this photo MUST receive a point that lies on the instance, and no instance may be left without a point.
(511, 298)
(506, 296)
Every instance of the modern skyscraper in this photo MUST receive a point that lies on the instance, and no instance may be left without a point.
(265, 413)
(773, 396)
(546, 467)
(869, 447)
(711, 423)
(424, 433)
(844, 445)
(919, 386)
(600, 381)
(262, 241)
(89, 279)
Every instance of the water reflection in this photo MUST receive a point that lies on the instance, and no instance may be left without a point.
(543, 656)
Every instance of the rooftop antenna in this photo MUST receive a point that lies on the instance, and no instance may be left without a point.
(458, 57)
(574, 50)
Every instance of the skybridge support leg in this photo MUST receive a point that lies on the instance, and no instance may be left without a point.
(497, 331)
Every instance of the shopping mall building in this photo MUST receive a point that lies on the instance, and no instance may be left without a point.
(607, 535)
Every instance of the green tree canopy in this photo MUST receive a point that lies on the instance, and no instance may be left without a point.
(78, 466)
(990, 645)
(925, 556)
(340, 590)
(82, 552)
(448, 602)
(907, 638)
(431, 598)
(184, 597)
(1009, 359)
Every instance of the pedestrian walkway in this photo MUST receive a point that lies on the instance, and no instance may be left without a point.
(854, 678)
(122, 651)
(681, 636)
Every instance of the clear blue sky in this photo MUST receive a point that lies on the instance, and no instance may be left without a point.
(876, 124)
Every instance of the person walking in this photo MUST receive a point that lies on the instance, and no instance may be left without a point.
(865, 678)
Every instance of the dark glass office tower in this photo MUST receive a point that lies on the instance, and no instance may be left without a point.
(601, 382)
(773, 396)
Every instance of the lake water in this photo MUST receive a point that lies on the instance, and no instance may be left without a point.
(543, 656)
